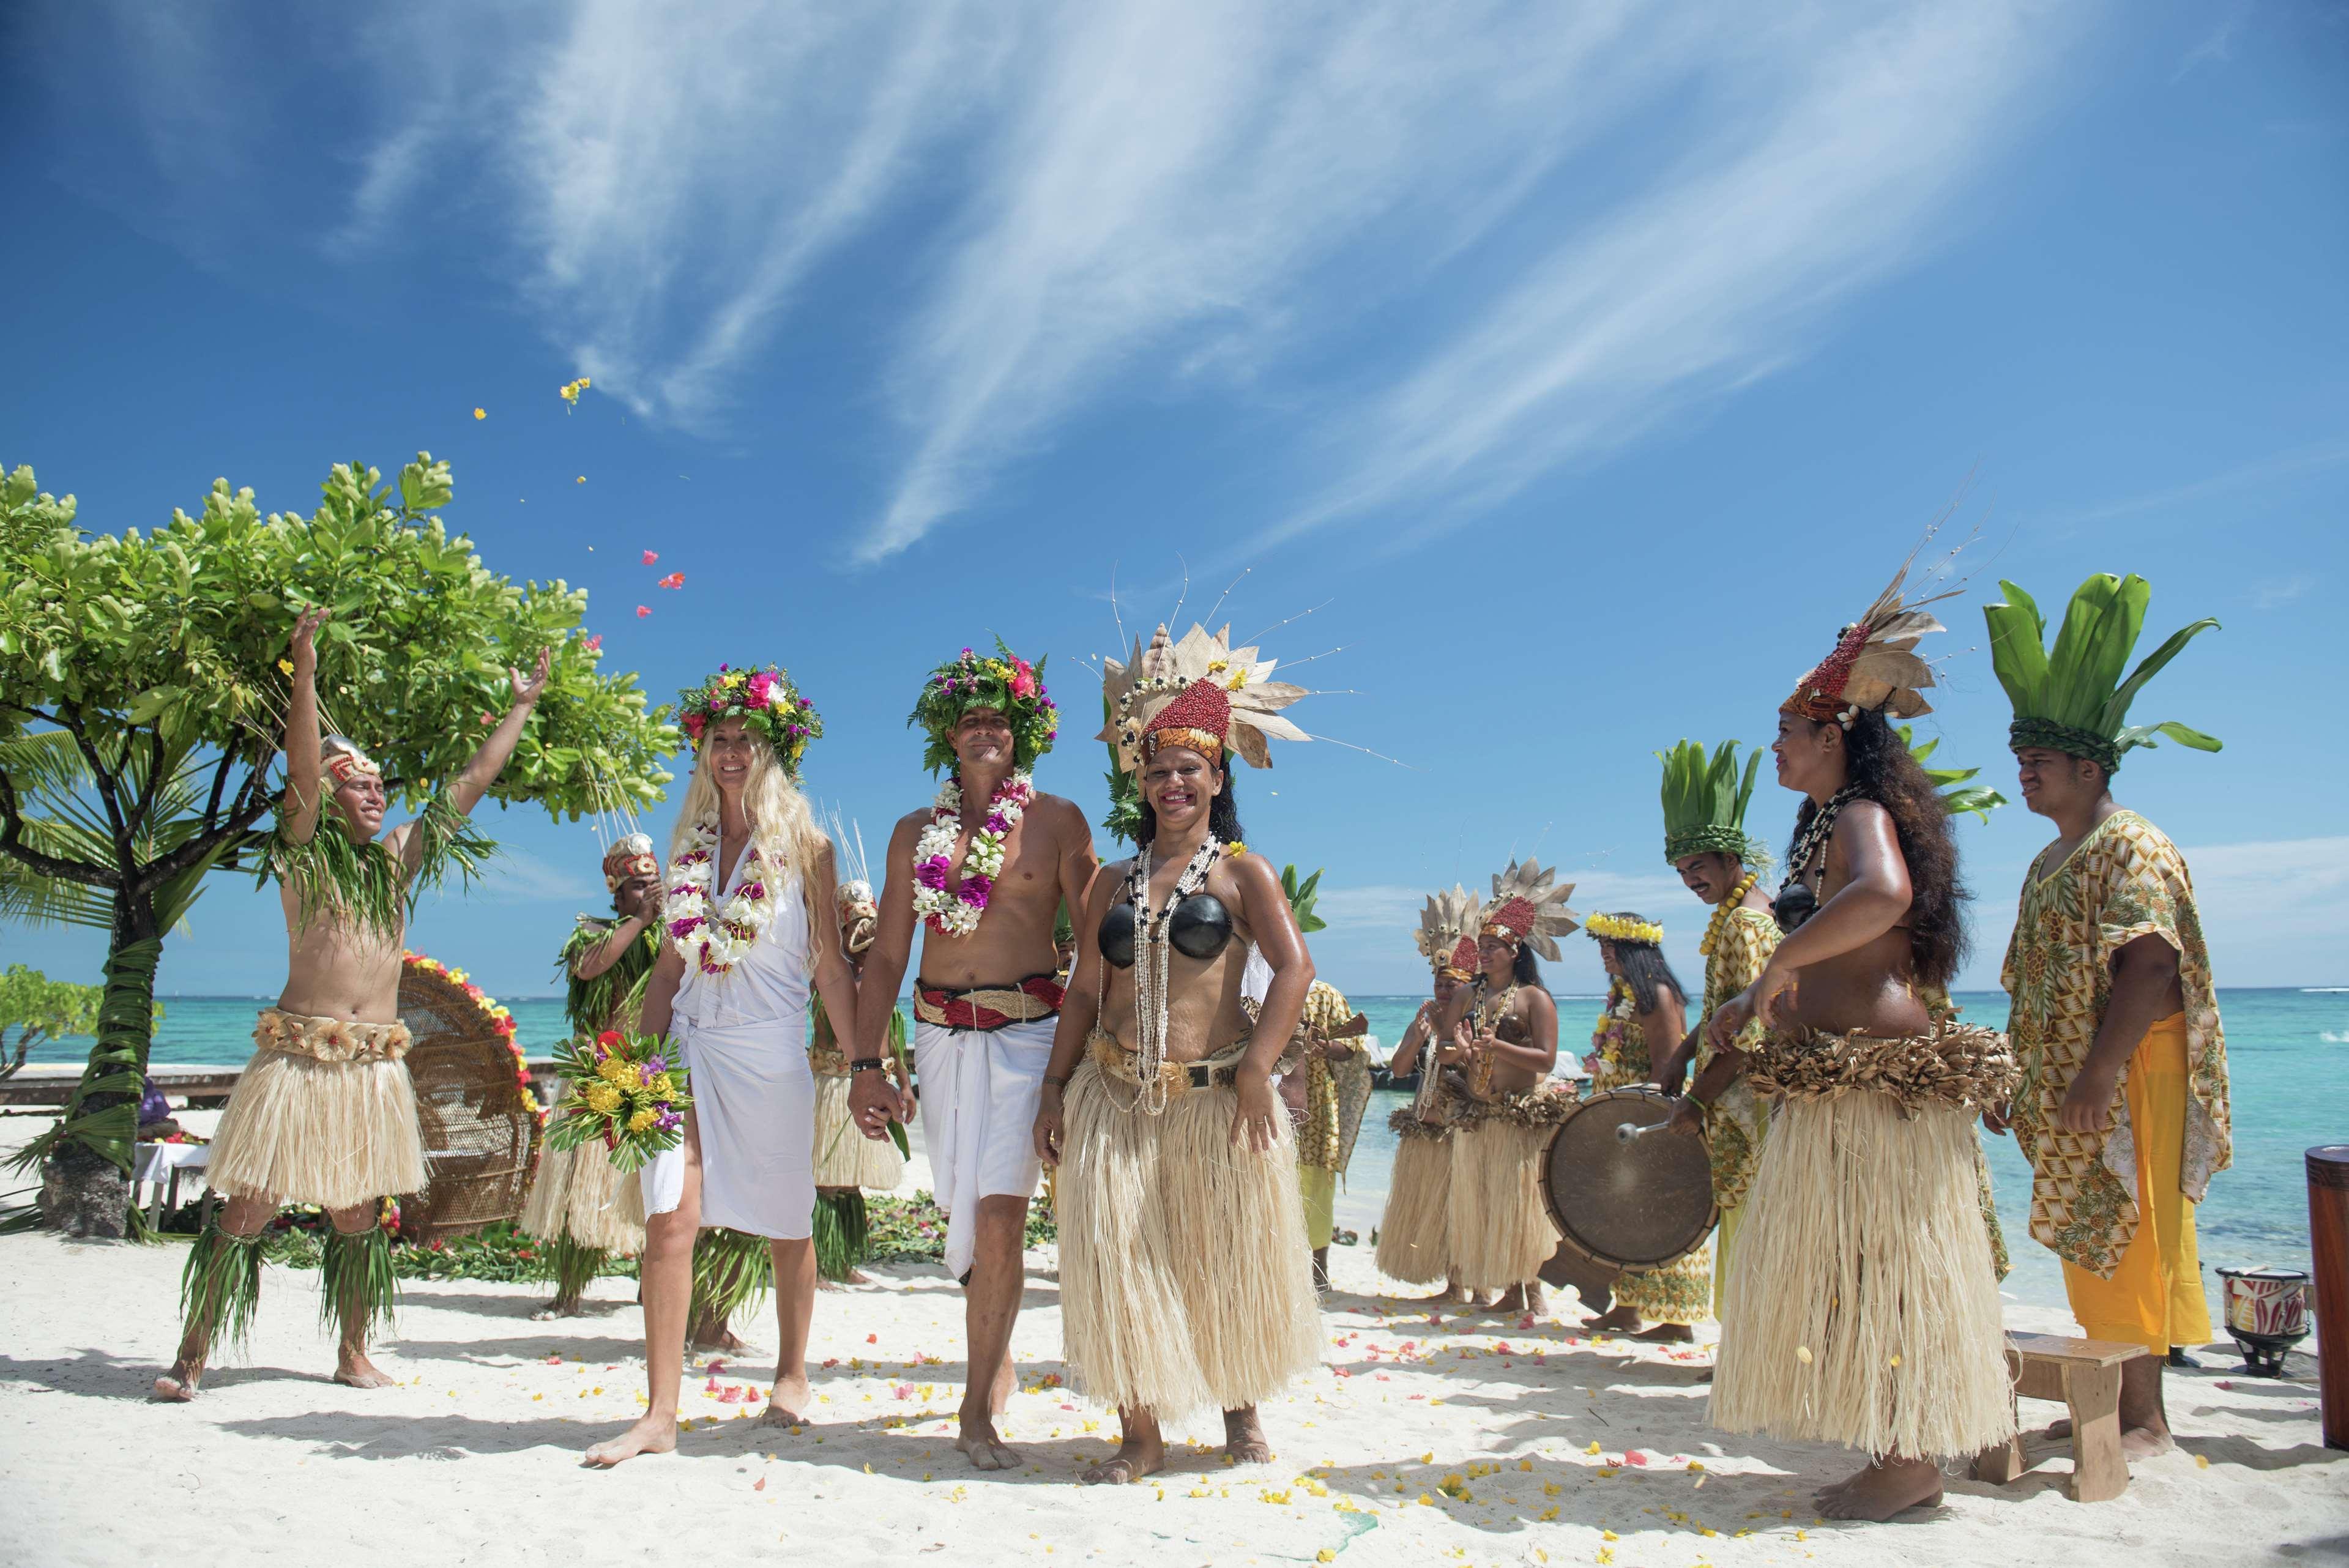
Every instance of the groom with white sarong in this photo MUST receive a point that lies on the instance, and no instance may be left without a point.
(986, 870)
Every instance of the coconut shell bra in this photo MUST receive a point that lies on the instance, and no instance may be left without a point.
(1198, 929)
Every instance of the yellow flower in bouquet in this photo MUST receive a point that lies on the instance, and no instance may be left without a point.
(630, 1095)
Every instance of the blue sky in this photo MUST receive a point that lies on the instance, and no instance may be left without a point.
(1580, 368)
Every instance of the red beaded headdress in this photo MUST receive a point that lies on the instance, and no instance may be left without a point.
(1463, 961)
(1200, 718)
(1873, 667)
(1529, 908)
(631, 855)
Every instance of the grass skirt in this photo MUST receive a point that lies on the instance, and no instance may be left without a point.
(844, 1156)
(1412, 1235)
(336, 1134)
(1184, 1279)
(1860, 1311)
(576, 1196)
(1498, 1227)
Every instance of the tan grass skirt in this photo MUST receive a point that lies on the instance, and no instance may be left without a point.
(1413, 1245)
(1498, 1227)
(1184, 1279)
(577, 1194)
(1859, 1312)
(302, 1130)
(844, 1156)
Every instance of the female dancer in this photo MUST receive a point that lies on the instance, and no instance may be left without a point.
(1646, 1014)
(1502, 1030)
(1881, 1329)
(1414, 1244)
(1184, 1276)
(751, 921)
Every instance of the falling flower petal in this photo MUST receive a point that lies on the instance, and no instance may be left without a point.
(642, 611)
(480, 413)
(651, 556)
(673, 579)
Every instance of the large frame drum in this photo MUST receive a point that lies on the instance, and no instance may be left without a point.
(1635, 1199)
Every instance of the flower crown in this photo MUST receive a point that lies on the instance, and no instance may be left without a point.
(1002, 681)
(1624, 928)
(764, 699)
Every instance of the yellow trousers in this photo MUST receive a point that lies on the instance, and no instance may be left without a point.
(1724, 1250)
(2155, 1298)
(1318, 1189)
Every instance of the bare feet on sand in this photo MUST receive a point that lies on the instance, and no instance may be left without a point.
(987, 1451)
(788, 1401)
(1666, 1333)
(1617, 1319)
(178, 1386)
(652, 1434)
(353, 1369)
(1244, 1440)
(1526, 1297)
(555, 1309)
(1884, 1488)
(707, 1336)
(1132, 1460)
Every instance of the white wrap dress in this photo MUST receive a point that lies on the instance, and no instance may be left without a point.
(744, 1039)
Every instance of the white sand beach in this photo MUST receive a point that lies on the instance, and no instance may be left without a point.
(1556, 1449)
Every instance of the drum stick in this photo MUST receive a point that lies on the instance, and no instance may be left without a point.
(1626, 1131)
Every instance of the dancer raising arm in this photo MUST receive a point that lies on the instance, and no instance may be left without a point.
(1185, 1277)
(751, 923)
(1881, 1329)
(325, 1113)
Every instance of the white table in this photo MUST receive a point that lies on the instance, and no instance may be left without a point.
(161, 1164)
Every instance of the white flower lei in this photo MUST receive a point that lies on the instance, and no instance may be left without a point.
(958, 913)
(716, 942)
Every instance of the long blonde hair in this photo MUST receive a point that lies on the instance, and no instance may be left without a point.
(781, 824)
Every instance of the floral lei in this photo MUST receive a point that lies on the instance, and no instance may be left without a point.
(958, 913)
(716, 942)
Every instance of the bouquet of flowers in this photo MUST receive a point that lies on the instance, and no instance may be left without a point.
(628, 1095)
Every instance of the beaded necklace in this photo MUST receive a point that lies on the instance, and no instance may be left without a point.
(1150, 979)
(1496, 1009)
(1727, 907)
(1796, 899)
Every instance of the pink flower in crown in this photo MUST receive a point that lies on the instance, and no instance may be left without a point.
(762, 689)
(693, 724)
(1023, 678)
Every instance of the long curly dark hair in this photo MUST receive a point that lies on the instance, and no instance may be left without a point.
(1879, 766)
(1223, 814)
(1645, 968)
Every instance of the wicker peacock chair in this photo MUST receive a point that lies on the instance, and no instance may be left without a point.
(480, 1121)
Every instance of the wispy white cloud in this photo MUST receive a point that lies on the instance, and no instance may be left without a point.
(2284, 590)
(2314, 458)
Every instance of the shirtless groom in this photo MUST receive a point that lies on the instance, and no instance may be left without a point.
(986, 870)
(325, 1113)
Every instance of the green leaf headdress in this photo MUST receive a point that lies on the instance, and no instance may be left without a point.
(1302, 896)
(1705, 801)
(1959, 797)
(2073, 699)
(1002, 681)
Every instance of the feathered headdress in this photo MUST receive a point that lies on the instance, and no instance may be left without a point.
(1959, 798)
(1528, 907)
(1705, 801)
(1450, 918)
(1201, 688)
(860, 911)
(1874, 667)
(1200, 692)
(342, 760)
(2074, 699)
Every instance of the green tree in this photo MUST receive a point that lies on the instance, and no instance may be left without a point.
(39, 1008)
(142, 692)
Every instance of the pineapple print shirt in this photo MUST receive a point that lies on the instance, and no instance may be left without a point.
(1735, 1121)
(2124, 881)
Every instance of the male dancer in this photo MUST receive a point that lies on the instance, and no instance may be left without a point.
(987, 870)
(325, 1113)
(2122, 1108)
(1705, 840)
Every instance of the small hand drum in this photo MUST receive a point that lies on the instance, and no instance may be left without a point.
(1622, 1191)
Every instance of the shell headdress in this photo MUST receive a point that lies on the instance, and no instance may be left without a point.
(1874, 667)
(1448, 917)
(1529, 906)
(1214, 683)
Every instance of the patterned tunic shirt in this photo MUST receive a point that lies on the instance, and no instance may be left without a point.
(1734, 1123)
(2125, 880)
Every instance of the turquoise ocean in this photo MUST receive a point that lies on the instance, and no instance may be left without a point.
(2283, 1047)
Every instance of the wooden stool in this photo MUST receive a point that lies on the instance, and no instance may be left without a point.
(2086, 1373)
